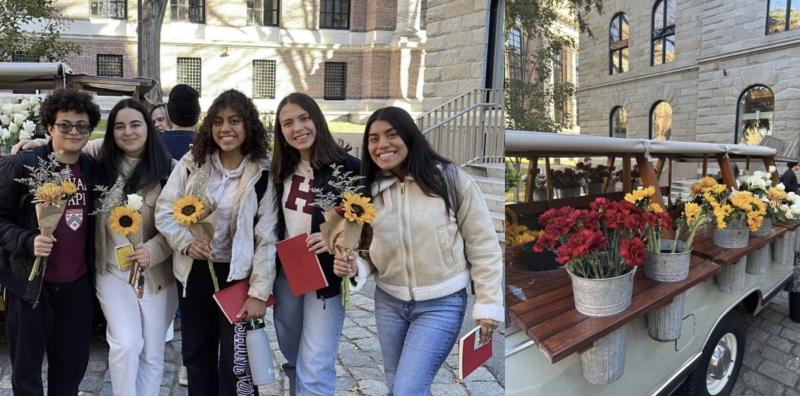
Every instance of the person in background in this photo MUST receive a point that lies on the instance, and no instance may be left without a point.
(183, 109)
(160, 117)
(52, 314)
(789, 178)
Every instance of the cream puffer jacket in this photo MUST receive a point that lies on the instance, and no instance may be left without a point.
(246, 238)
(420, 251)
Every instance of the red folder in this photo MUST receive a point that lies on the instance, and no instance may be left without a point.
(301, 267)
(231, 299)
(471, 355)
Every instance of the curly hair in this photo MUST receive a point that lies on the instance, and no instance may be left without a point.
(256, 142)
(68, 99)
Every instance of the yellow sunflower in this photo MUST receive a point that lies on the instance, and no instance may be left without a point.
(776, 194)
(742, 200)
(358, 209)
(692, 211)
(69, 188)
(187, 210)
(49, 194)
(655, 208)
(124, 220)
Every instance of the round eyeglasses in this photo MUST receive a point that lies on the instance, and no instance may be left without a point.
(83, 127)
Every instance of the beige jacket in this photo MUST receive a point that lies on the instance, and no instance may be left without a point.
(246, 238)
(420, 251)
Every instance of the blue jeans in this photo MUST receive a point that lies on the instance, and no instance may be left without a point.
(308, 331)
(416, 337)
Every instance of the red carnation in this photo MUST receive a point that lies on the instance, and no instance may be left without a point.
(632, 251)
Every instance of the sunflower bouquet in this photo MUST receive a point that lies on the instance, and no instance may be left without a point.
(733, 210)
(346, 212)
(51, 188)
(692, 218)
(197, 214)
(656, 219)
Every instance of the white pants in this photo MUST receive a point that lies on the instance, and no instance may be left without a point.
(135, 334)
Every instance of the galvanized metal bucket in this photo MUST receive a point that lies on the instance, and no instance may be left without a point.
(602, 297)
(731, 238)
(664, 324)
(766, 227)
(604, 363)
(666, 266)
(783, 250)
(568, 192)
(730, 279)
(758, 261)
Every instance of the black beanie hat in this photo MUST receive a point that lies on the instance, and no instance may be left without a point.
(183, 105)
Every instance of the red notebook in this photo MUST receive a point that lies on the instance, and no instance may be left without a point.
(471, 354)
(301, 267)
(231, 299)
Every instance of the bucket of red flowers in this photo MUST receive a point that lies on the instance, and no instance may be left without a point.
(600, 248)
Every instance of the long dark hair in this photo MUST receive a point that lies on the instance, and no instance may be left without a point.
(423, 163)
(325, 150)
(156, 162)
(256, 141)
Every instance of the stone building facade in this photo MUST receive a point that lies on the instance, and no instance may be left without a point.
(732, 73)
(353, 55)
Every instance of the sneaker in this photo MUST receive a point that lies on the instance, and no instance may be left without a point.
(183, 377)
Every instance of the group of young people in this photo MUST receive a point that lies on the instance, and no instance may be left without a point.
(432, 237)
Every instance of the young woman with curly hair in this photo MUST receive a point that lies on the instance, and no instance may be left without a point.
(309, 326)
(432, 235)
(224, 167)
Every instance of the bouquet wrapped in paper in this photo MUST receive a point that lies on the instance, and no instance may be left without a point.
(51, 188)
(346, 212)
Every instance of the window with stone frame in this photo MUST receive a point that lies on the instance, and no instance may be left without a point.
(661, 121)
(618, 35)
(115, 9)
(334, 14)
(335, 81)
(514, 53)
(662, 48)
(190, 72)
(264, 78)
(618, 125)
(782, 15)
(754, 115)
(263, 12)
(109, 65)
(188, 10)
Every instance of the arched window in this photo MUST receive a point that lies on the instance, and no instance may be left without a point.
(754, 115)
(661, 121)
(662, 49)
(618, 34)
(619, 122)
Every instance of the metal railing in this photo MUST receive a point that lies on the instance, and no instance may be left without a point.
(468, 128)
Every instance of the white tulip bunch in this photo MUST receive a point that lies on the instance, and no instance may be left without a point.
(18, 119)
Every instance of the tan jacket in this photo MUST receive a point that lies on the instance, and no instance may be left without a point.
(246, 238)
(420, 251)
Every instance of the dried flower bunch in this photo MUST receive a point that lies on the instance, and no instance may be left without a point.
(48, 182)
(341, 183)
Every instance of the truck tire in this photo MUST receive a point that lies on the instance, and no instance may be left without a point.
(718, 368)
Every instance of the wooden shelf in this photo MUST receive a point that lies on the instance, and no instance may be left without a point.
(548, 314)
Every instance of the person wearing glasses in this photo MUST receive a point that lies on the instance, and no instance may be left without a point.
(52, 313)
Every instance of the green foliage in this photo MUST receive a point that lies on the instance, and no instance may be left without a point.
(44, 41)
(529, 103)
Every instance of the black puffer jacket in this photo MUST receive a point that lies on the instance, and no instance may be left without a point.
(18, 224)
(321, 178)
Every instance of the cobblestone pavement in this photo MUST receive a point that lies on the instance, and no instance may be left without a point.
(359, 366)
(771, 365)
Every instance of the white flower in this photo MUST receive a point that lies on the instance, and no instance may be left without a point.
(795, 209)
(781, 187)
(759, 183)
(20, 117)
(28, 127)
(21, 107)
(4, 133)
(7, 109)
(14, 128)
(792, 197)
(134, 202)
(772, 169)
(5, 119)
(757, 174)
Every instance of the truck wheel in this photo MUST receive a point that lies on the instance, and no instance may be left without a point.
(718, 368)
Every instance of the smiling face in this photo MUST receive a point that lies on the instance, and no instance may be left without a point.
(298, 129)
(72, 141)
(228, 130)
(130, 132)
(386, 148)
(160, 120)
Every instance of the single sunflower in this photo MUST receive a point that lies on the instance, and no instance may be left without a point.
(187, 210)
(49, 194)
(124, 220)
(358, 209)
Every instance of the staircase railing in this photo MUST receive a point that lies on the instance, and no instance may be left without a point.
(467, 128)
